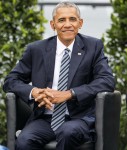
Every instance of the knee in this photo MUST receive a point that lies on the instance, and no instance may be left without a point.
(66, 132)
(72, 132)
(23, 142)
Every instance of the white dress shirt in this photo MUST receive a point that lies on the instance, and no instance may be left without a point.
(59, 54)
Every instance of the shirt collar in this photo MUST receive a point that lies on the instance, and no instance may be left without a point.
(61, 47)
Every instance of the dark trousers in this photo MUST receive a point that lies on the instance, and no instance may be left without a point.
(70, 135)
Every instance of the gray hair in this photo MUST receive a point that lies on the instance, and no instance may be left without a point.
(67, 5)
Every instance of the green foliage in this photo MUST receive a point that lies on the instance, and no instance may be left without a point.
(2, 124)
(115, 41)
(21, 22)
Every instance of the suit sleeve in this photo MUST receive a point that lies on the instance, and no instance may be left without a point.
(102, 79)
(19, 78)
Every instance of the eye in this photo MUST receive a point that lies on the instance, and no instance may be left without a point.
(61, 20)
(73, 19)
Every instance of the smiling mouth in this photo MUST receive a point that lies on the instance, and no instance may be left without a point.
(68, 31)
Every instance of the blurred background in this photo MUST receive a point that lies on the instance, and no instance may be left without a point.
(95, 13)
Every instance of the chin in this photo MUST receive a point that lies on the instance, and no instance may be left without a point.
(69, 38)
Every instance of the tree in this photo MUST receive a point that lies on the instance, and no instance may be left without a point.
(21, 22)
(115, 41)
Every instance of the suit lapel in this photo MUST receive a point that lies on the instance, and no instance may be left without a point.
(77, 55)
(49, 59)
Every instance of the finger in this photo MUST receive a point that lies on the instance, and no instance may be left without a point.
(48, 107)
(49, 89)
(49, 94)
(47, 102)
(41, 104)
(40, 98)
(41, 91)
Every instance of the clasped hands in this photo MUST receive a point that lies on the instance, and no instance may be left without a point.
(47, 97)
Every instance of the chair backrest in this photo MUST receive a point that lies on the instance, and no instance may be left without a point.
(108, 106)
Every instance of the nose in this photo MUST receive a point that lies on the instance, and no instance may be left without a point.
(67, 23)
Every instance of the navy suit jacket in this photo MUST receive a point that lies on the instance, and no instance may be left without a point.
(89, 74)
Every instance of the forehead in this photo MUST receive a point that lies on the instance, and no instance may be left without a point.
(64, 12)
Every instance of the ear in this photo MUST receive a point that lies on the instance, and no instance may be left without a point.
(80, 23)
(52, 24)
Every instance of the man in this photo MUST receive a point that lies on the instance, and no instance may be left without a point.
(66, 72)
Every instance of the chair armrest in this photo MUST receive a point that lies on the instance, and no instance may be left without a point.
(11, 119)
(18, 113)
(108, 121)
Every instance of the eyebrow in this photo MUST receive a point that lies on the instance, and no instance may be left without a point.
(69, 18)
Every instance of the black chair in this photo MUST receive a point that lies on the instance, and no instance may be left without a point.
(108, 106)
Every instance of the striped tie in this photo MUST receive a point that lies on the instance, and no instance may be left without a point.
(58, 115)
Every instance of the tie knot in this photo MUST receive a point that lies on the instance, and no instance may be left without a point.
(67, 50)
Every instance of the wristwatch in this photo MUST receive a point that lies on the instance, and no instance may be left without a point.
(73, 93)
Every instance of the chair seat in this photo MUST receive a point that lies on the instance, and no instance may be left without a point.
(85, 146)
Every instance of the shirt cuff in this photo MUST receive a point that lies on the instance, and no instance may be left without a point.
(30, 96)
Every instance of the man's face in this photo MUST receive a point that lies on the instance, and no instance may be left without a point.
(66, 23)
